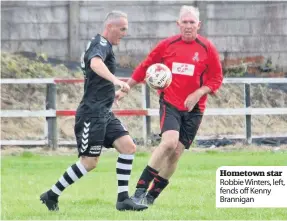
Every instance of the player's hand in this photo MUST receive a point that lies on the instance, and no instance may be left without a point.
(119, 95)
(192, 100)
(123, 85)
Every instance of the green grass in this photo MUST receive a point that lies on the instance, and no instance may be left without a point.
(190, 195)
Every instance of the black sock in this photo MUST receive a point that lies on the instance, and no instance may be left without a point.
(159, 184)
(147, 176)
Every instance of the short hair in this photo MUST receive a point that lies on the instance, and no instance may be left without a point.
(189, 9)
(113, 15)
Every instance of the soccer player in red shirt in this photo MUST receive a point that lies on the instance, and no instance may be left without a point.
(196, 72)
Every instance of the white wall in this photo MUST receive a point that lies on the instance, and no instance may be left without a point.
(240, 28)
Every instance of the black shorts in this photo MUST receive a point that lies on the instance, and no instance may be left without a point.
(186, 123)
(94, 133)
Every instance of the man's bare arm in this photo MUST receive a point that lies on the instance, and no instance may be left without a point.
(99, 67)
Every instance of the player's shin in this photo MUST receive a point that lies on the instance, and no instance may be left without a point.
(124, 167)
(146, 177)
(71, 175)
(157, 187)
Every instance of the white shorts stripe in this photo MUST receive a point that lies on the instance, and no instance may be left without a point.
(81, 168)
(56, 190)
(124, 166)
(72, 174)
(63, 182)
(123, 189)
(127, 156)
(123, 177)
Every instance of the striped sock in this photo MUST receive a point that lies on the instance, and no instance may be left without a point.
(72, 174)
(124, 167)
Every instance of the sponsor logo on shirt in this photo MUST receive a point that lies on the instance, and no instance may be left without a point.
(182, 68)
(103, 41)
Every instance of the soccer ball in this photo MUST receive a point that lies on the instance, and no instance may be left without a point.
(158, 76)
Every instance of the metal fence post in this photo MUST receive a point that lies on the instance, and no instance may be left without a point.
(247, 117)
(51, 97)
(146, 119)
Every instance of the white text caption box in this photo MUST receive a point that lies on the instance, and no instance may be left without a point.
(251, 186)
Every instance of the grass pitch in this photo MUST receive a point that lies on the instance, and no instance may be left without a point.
(190, 195)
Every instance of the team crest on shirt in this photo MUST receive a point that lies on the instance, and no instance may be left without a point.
(195, 57)
(103, 41)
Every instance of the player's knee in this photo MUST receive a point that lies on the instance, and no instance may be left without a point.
(125, 145)
(89, 163)
(170, 145)
(131, 149)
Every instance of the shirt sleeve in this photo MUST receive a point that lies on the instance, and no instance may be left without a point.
(155, 56)
(99, 49)
(214, 73)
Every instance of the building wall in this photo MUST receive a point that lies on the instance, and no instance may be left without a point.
(249, 28)
(61, 29)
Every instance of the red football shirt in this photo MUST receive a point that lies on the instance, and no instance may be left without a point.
(192, 64)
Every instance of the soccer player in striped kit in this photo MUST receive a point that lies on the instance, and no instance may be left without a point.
(196, 72)
(95, 124)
